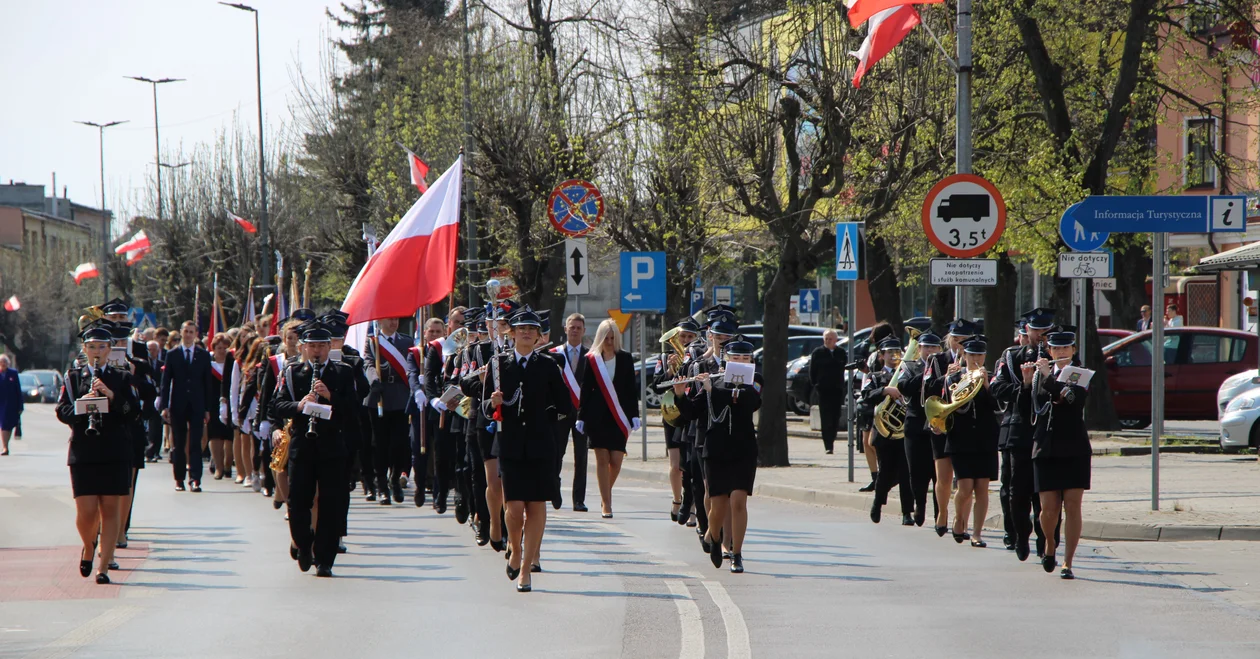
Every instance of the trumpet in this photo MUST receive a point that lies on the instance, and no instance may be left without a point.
(712, 376)
(669, 407)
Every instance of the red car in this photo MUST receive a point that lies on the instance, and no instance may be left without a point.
(1109, 334)
(1197, 360)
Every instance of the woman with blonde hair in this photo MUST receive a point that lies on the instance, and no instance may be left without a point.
(609, 407)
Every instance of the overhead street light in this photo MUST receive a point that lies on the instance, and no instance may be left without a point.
(264, 235)
(105, 232)
(157, 143)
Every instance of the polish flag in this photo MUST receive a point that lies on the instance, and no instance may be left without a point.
(12, 304)
(887, 29)
(860, 10)
(419, 172)
(415, 264)
(136, 242)
(84, 271)
(134, 256)
(243, 223)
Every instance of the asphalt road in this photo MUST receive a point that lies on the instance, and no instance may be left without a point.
(208, 575)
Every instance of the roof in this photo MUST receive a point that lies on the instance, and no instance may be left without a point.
(1239, 258)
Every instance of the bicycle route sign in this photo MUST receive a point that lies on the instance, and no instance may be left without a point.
(1085, 265)
(964, 215)
(575, 207)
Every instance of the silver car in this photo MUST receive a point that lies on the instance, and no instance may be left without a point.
(1239, 429)
(1232, 386)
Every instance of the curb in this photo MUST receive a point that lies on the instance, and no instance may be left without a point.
(1090, 529)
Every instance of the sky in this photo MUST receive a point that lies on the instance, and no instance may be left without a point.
(66, 61)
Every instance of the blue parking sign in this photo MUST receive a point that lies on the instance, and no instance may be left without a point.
(697, 300)
(643, 282)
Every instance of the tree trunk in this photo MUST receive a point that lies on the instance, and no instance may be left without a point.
(751, 306)
(1132, 267)
(885, 296)
(942, 311)
(999, 309)
(772, 446)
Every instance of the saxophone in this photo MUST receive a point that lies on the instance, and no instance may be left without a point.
(890, 415)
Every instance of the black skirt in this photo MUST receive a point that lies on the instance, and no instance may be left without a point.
(528, 480)
(1053, 474)
(605, 436)
(112, 479)
(217, 429)
(983, 464)
(674, 437)
(938, 445)
(726, 476)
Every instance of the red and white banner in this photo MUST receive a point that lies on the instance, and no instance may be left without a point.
(391, 354)
(419, 172)
(243, 223)
(84, 271)
(887, 29)
(133, 257)
(570, 379)
(860, 10)
(135, 243)
(604, 379)
(415, 264)
(12, 304)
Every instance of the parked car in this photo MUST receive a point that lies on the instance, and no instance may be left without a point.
(1233, 386)
(793, 330)
(1197, 360)
(1239, 427)
(799, 390)
(653, 362)
(40, 385)
(1111, 334)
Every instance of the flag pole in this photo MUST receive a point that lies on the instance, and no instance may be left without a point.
(962, 137)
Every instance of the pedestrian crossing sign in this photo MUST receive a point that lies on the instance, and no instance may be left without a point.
(849, 251)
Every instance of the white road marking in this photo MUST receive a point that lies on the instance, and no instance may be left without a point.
(8, 494)
(689, 618)
(74, 640)
(737, 646)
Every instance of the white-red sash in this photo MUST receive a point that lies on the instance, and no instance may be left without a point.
(277, 363)
(570, 380)
(390, 352)
(604, 379)
(217, 369)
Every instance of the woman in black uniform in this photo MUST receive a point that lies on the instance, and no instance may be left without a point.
(1061, 449)
(100, 455)
(145, 389)
(971, 443)
(894, 469)
(609, 407)
(217, 429)
(671, 365)
(730, 450)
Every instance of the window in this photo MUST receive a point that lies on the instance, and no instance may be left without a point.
(1203, 16)
(1200, 147)
(1213, 349)
(1138, 353)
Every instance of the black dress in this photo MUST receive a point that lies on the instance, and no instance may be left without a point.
(730, 448)
(1061, 448)
(972, 441)
(100, 465)
(601, 424)
(216, 429)
(534, 397)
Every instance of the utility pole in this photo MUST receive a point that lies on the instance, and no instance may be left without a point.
(263, 227)
(469, 219)
(962, 137)
(105, 225)
(157, 141)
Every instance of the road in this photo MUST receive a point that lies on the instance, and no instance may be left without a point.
(208, 575)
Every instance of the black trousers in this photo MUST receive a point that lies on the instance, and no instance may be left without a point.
(263, 463)
(461, 466)
(329, 478)
(477, 481)
(693, 485)
(1024, 499)
(419, 451)
(564, 430)
(390, 445)
(186, 428)
(1004, 496)
(444, 457)
(367, 461)
(153, 437)
(830, 405)
(893, 470)
(922, 467)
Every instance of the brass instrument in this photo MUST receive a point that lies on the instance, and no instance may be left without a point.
(454, 343)
(91, 315)
(669, 407)
(890, 414)
(961, 393)
(280, 451)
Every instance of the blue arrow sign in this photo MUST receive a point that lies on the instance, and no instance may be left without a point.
(808, 300)
(1076, 236)
(643, 282)
(1160, 214)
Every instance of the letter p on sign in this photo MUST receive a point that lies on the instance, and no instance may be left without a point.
(641, 268)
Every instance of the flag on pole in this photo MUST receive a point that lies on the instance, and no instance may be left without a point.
(84, 271)
(419, 171)
(280, 312)
(415, 264)
(216, 315)
(135, 243)
(887, 29)
(133, 257)
(860, 10)
(197, 307)
(243, 223)
(12, 304)
(295, 300)
(249, 316)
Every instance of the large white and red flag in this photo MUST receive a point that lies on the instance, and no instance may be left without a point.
(84, 271)
(243, 223)
(860, 10)
(887, 29)
(134, 244)
(12, 304)
(133, 257)
(419, 172)
(415, 264)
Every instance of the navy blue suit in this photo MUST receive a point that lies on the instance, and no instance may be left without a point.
(188, 392)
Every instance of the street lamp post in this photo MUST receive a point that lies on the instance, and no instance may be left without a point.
(172, 168)
(262, 159)
(105, 237)
(157, 143)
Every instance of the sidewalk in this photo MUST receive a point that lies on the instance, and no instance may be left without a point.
(1202, 497)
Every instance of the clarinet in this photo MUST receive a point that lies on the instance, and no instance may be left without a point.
(317, 370)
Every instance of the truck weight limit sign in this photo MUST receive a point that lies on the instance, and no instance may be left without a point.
(964, 215)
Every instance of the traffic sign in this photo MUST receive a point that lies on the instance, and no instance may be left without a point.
(1105, 284)
(575, 207)
(643, 281)
(964, 215)
(577, 267)
(964, 272)
(1076, 236)
(697, 300)
(1084, 265)
(622, 319)
(810, 299)
(1162, 213)
(724, 295)
(849, 251)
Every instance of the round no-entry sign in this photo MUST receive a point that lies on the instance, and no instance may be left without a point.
(964, 215)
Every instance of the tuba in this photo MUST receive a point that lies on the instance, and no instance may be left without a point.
(890, 414)
(961, 393)
(669, 407)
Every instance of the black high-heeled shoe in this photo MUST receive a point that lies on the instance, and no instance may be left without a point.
(1048, 563)
(960, 537)
(737, 564)
(1066, 573)
(102, 578)
(715, 552)
(524, 588)
(498, 545)
(508, 557)
(512, 574)
(941, 531)
(535, 568)
(979, 543)
(85, 567)
(673, 514)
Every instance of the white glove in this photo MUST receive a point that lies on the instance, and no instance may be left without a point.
(420, 399)
(223, 413)
(635, 424)
(248, 428)
(264, 429)
(438, 404)
(580, 426)
(157, 403)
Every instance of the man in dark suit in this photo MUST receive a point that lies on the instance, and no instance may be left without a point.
(187, 396)
(152, 419)
(387, 375)
(1144, 323)
(826, 374)
(571, 358)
